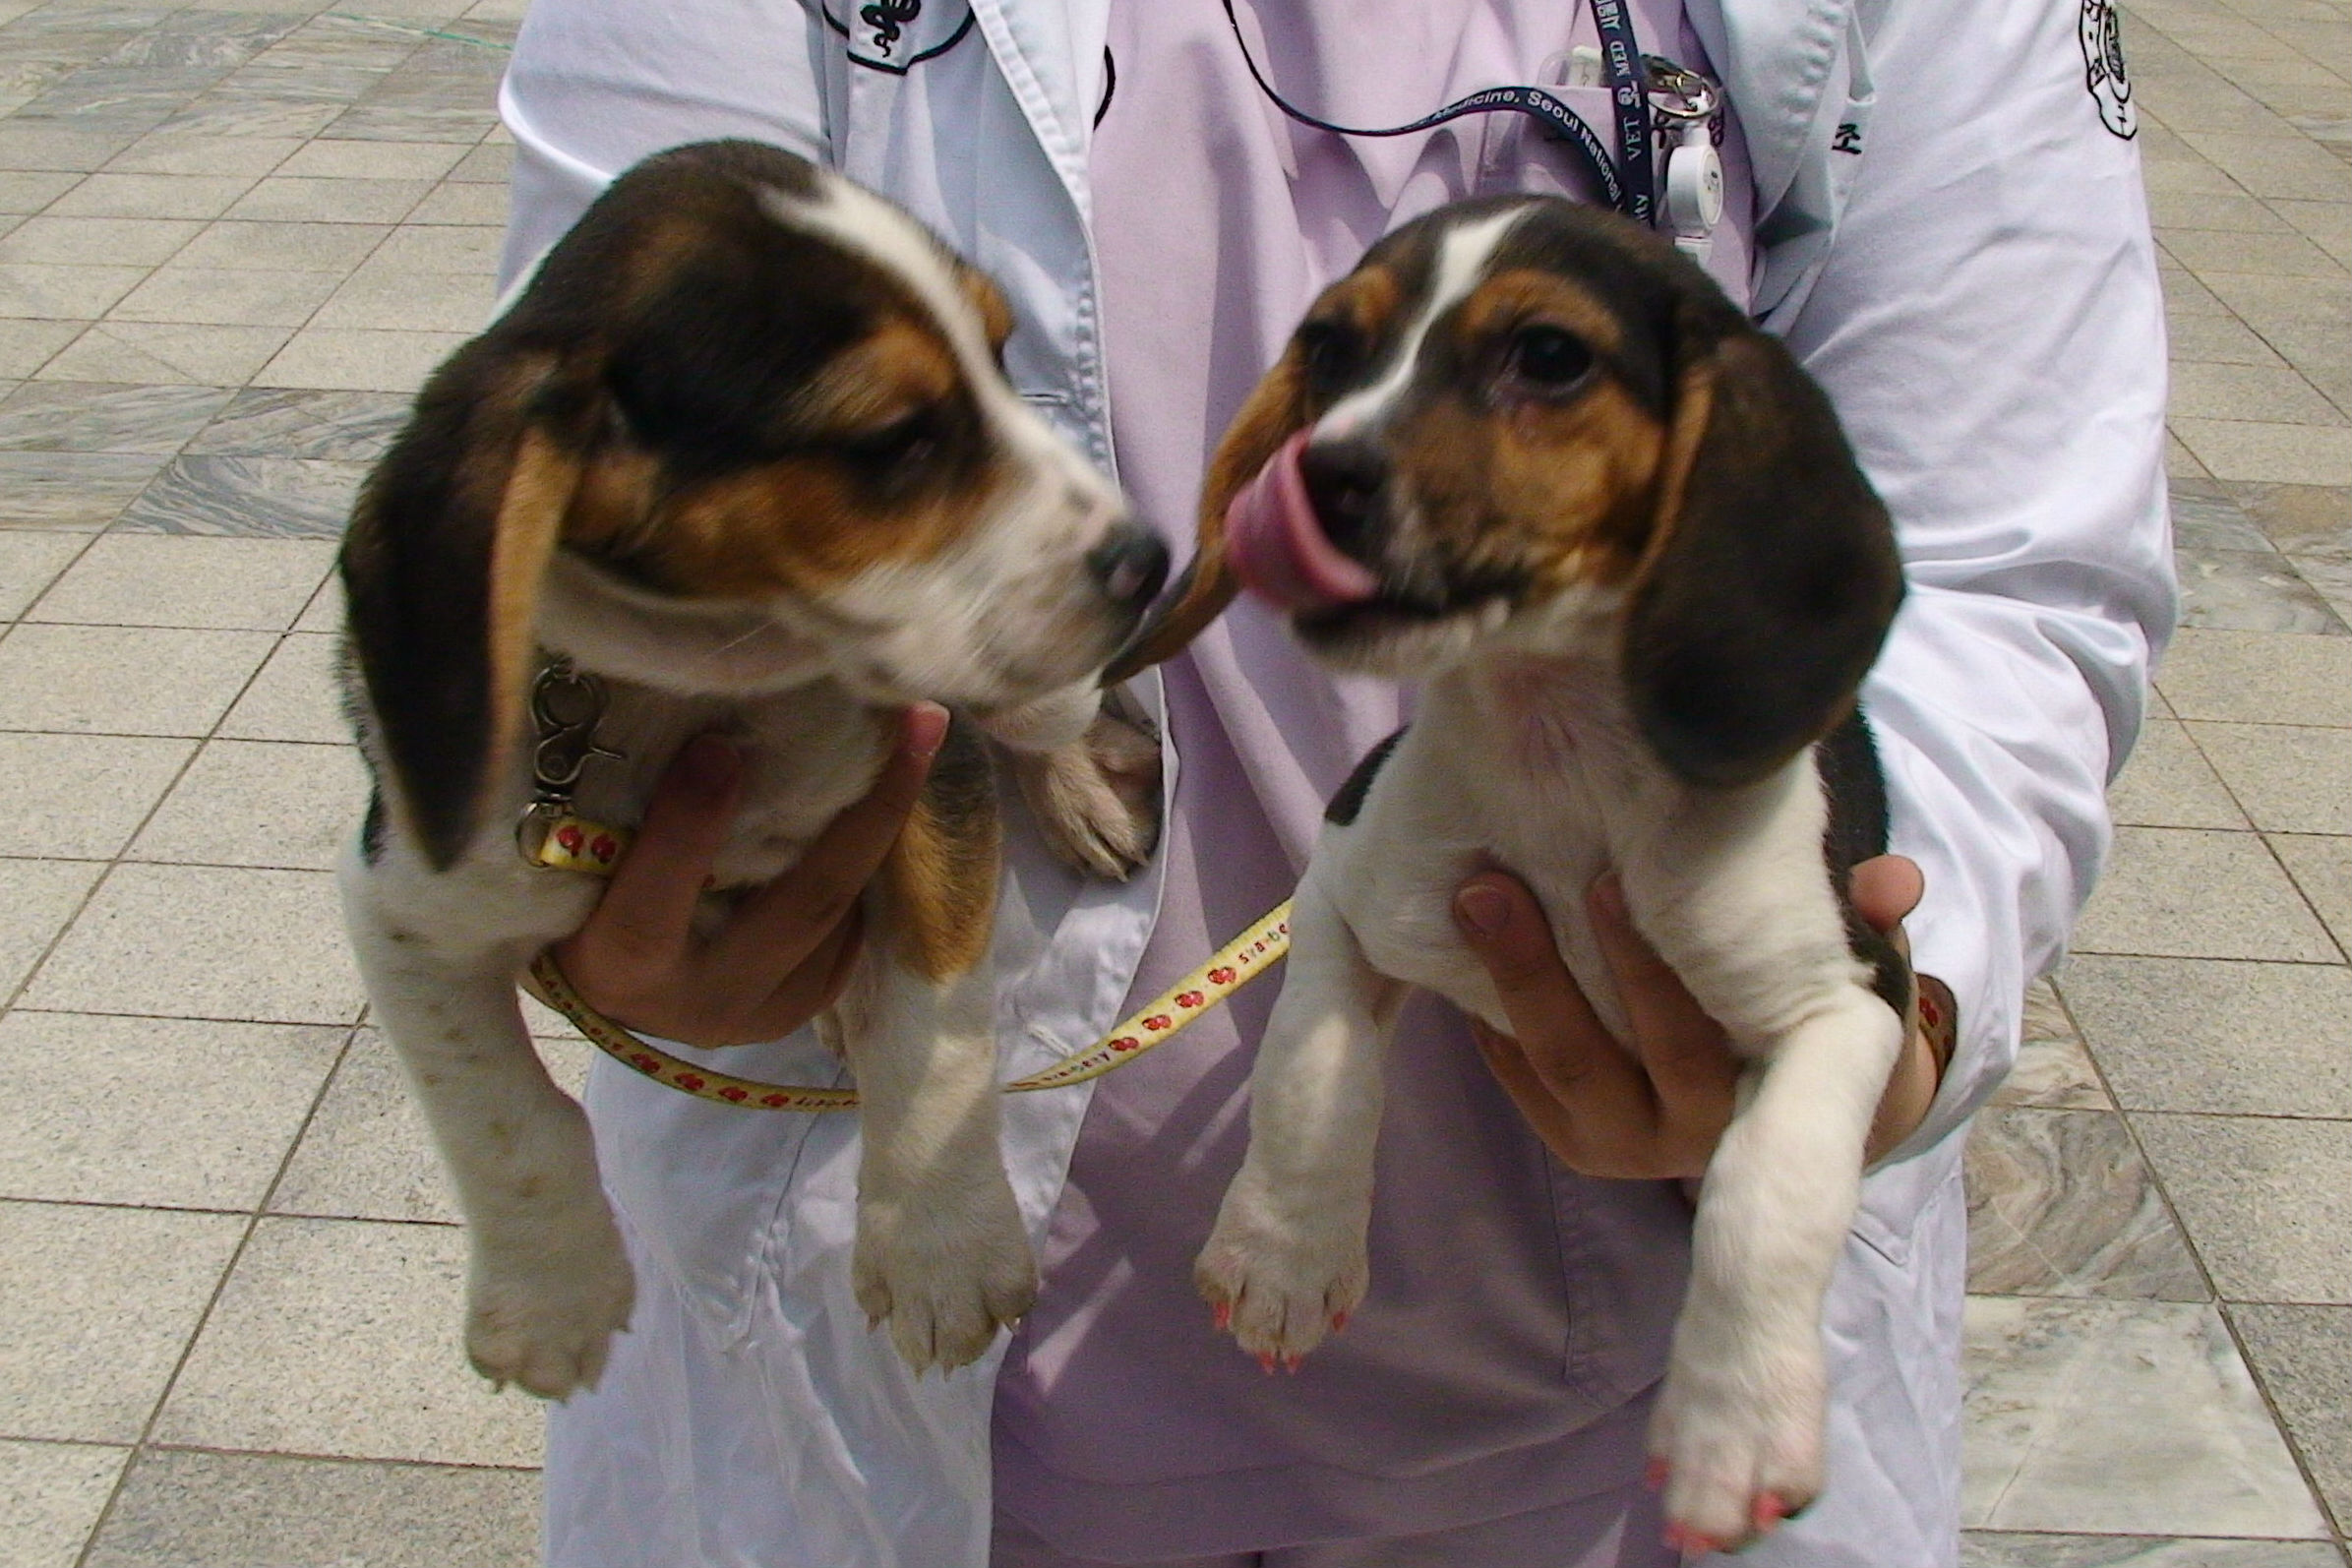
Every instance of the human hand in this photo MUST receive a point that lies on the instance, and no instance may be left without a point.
(785, 952)
(1658, 1109)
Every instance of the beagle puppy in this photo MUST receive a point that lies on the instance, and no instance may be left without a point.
(741, 450)
(1529, 458)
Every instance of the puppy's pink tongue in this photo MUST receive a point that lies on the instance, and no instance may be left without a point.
(1279, 549)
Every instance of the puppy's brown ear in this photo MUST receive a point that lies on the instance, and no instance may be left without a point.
(441, 566)
(1274, 412)
(1770, 577)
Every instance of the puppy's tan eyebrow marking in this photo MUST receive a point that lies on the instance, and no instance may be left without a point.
(1525, 295)
(899, 367)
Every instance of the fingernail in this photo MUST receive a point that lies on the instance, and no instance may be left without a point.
(927, 730)
(712, 762)
(1483, 911)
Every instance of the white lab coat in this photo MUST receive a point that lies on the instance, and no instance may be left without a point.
(1954, 243)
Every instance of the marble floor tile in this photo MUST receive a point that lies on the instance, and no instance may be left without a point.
(45, 291)
(157, 1113)
(462, 126)
(27, 190)
(2234, 448)
(2246, 591)
(2202, 391)
(147, 579)
(50, 1496)
(27, 345)
(50, 146)
(2209, 515)
(81, 797)
(2205, 339)
(2234, 1039)
(182, 1509)
(2190, 893)
(383, 299)
(2262, 1200)
(365, 1154)
(2054, 1070)
(37, 897)
(2259, 677)
(285, 422)
(98, 241)
(2002, 1549)
(231, 115)
(356, 360)
(2289, 779)
(2232, 212)
(260, 803)
(2331, 577)
(2060, 1203)
(325, 610)
(30, 561)
(280, 246)
(99, 1303)
(123, 681)
(172, 196)
(205, 942)
(373, 161)
(166, 353)
(226, 296)
(293, 699)
(2287, 166)
(70, 489)
(454, 201)
(341, 1336)
(2168, 783)
(465, 248)
(485, 166)
(281, 198)
(213, 156)
(2303, 1355)
(2119, 1418)
(2323, 869)
(273, 497)
(72, 416)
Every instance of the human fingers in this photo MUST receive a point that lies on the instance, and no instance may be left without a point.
(806, 990)
(643, 923)
(779, 926)
(1684, 1052)
(1554, 1031)
(1884, 890)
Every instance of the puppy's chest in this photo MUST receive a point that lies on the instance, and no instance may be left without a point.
(1473, 789)
(806, 754)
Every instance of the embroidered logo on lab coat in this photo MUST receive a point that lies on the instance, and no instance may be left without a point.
(896, 35)
(2103, 38)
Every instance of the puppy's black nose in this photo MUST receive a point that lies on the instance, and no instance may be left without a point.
(1130, 564)
(1344, 481)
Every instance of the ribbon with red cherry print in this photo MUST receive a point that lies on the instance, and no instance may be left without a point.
(1167, 1015)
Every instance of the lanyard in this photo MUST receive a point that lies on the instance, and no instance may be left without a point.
(1634, 193)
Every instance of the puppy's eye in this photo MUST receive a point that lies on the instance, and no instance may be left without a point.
(1547, 359)
(1327, 352)
(903, 443)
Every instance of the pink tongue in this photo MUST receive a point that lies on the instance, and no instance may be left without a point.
(1279, 549)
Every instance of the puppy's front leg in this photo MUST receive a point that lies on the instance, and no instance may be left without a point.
(1287, 1260)
(548, 1283)
(942, 1253)
(1090, 779)
(1744, 912)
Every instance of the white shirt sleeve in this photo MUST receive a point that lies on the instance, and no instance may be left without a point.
(1989, 325)
(598, 85)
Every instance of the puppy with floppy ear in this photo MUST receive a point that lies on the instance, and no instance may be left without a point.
(1529, 458)
(738, 458)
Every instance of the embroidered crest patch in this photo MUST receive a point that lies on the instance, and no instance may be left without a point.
(2102, 37)
(895, 34)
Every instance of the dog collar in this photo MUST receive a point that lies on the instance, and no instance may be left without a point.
(1168, 1015)
(567, 705)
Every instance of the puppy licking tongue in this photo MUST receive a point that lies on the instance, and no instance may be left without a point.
(1278, 547)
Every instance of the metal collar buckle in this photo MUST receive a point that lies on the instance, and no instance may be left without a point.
(567, 705)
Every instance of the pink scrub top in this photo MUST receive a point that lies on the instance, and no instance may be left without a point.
(1519, 1313)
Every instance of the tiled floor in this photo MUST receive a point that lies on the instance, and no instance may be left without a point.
(233, 234)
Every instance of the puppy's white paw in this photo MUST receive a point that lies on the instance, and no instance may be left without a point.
(1097, 802)
(1282, 1276)
(542, 1306)
(945, 1269)
(1736, 1438)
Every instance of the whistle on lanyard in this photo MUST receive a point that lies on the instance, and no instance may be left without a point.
(1686, 108)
